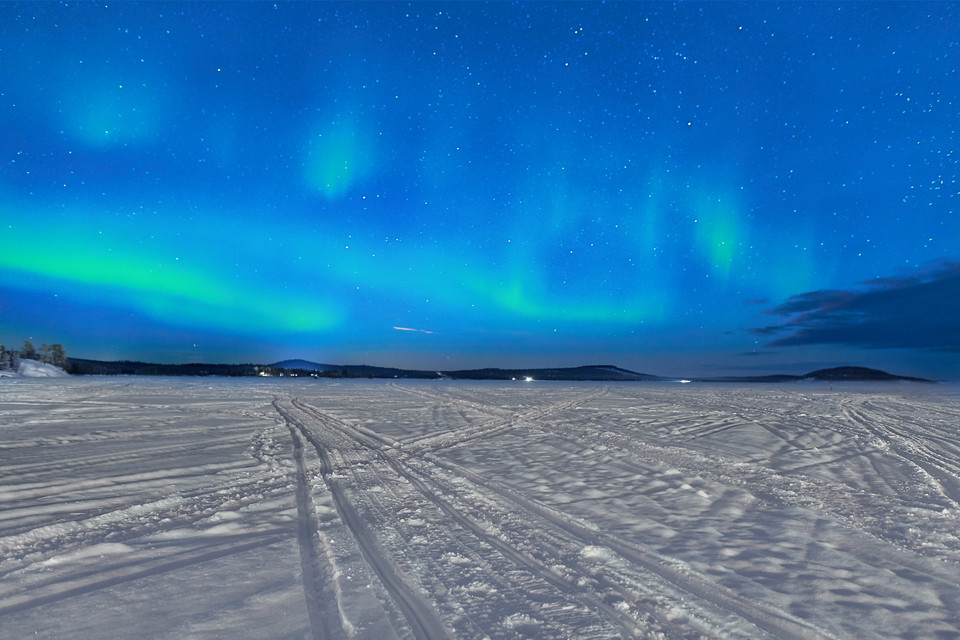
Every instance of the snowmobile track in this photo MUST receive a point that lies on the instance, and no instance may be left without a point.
(422, 472)
(422, 618)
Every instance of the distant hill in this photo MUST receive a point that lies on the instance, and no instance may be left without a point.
(602, 372)
(835, 374)
(858, 373)
(775, 378)
(304, 365)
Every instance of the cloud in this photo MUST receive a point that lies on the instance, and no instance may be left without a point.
(919, 311)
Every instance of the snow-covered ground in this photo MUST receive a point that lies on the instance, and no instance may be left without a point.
(216, 508)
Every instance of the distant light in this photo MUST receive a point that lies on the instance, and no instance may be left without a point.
(684, 381)
(528, 379)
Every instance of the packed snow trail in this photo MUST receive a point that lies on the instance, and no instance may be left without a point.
(423, 620)
(322, 598)
(432, 489)
(353, 509)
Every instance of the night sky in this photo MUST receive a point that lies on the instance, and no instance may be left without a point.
(679, 189)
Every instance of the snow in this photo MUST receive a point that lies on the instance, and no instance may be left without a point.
(194, 508)
(34, 369)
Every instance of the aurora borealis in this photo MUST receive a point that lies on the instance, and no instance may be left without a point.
(673, 188)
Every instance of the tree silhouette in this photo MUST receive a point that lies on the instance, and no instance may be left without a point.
(54, 354)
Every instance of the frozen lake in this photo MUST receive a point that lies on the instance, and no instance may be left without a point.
(219, 508)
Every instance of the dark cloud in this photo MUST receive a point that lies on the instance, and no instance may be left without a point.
(920, 311)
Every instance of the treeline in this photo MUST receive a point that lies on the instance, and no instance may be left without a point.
(80, 366)
(50, 353)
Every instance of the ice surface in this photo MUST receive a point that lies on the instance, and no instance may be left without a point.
(209, 508)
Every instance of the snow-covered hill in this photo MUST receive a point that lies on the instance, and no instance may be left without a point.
(34, 369)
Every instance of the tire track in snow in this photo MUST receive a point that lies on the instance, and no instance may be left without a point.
(130, 521)
(444, 495)
(30, 492)
(457, 437)
(134, 569)
(770, 619)
(647, 565)
(774, 621)
(423, 619)
(458, 401)
(930, 464)
(321, 596)
(536, 566)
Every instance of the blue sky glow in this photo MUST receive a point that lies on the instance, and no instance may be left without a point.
(644, 184)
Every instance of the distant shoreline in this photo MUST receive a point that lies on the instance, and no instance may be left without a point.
(598, 373)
